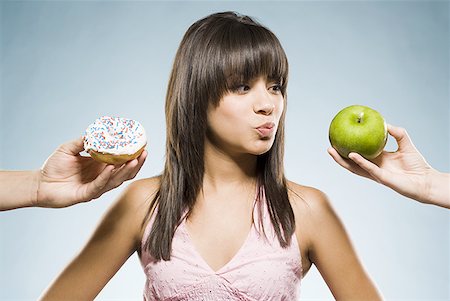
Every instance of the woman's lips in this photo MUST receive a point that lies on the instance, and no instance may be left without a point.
(266, 129)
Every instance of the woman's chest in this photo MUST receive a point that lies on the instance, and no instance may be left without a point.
(218, 238)
(260, 268)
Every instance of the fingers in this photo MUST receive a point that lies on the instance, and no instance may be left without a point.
(347, 164)
(371, 168)
(339, 160)
(112, 177)
(130, 169)
(140, 160)
(73, 147)
(95, 188)
(123, 173)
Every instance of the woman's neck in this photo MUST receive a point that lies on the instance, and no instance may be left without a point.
(223, 169)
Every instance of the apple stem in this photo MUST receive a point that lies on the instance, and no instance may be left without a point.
(360, 117)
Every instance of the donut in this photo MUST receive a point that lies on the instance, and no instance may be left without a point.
(114, 140)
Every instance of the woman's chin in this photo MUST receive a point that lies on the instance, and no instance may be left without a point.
(262, 148)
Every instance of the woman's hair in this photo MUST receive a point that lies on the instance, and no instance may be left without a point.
(216, 54)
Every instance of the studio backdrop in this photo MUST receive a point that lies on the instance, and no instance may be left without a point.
(64, 64)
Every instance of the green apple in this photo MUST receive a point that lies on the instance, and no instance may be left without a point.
(358, 129)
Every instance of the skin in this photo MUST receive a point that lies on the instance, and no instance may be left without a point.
(226, 199)
(65, 179)
(405, 171)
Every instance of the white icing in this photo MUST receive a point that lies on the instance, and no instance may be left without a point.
(115, 135)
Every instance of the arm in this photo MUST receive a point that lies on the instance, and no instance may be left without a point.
(18, 189)
(329, 248)
(66, 178)
(404, 171)
(117, 237)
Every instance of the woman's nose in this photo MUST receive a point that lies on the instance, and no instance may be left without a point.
(265, 108)
(264, 104)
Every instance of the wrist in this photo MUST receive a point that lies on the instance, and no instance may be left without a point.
(438, 192)
(37, 179)
(42, 190)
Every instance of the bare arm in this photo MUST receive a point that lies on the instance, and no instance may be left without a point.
(65, 179)
(330, 250)
(115, 239)
(18, 189)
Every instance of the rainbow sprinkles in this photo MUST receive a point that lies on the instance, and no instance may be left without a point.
(115, 135)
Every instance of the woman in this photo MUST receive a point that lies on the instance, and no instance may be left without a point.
(222, 222)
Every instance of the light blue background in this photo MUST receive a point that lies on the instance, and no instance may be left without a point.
(63, 64)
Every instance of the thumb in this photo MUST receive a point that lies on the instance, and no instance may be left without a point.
(401, 136)
(74, 147)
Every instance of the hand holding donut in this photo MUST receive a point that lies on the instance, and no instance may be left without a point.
(67, 178)
(117, 148)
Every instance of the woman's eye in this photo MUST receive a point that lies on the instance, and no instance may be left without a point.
(242, 88)
(276, 88)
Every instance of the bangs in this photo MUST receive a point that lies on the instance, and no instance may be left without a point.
(254, 52)
(243, 52)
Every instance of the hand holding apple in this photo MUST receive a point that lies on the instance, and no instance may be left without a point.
(358, 129)
(405, 171)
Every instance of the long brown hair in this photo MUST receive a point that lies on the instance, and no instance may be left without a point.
(215, 53)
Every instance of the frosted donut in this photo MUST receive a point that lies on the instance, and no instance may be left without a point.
(114, 140)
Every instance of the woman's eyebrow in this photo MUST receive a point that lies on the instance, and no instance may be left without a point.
(277, 79)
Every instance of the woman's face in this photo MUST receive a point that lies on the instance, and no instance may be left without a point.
(246, 119)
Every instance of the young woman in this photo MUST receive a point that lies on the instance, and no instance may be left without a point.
(221, 222)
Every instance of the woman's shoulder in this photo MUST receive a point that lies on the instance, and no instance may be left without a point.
(140, 190)
(139, 193)
(307, 198)
(138, 196)
(311, 206)
(131, 208)
(313, 212)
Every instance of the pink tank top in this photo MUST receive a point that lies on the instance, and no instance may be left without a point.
(260, 270)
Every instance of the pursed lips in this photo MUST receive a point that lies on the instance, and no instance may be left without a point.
(266, 129)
